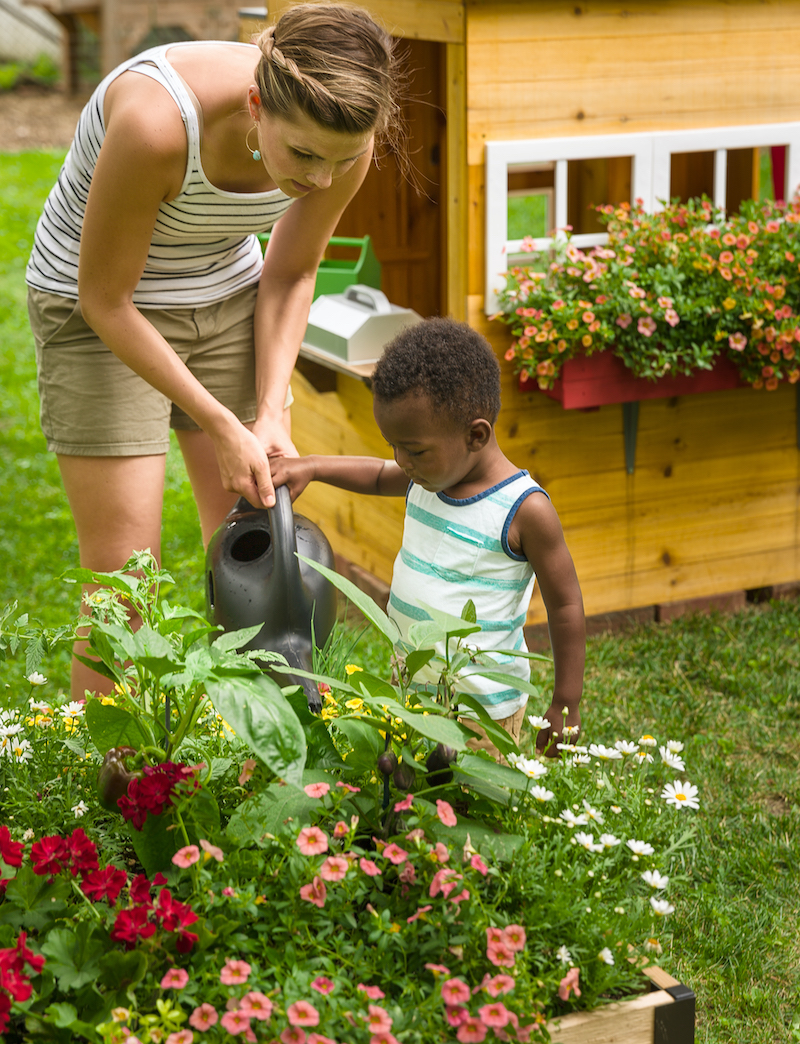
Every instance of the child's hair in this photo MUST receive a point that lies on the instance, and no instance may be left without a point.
(446, 360)
(334, 64)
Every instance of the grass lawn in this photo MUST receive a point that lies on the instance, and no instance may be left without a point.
(728, 687)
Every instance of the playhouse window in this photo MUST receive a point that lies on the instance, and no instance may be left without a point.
(531, 188)
(590, 182)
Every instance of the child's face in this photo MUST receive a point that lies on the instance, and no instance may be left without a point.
(430, 447)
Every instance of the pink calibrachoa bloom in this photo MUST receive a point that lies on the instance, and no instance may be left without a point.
(373, 992)
(312, 841)
(405, 804)
(175, 979)
(422, 910)
(379, 1020)
(293, 1035)
(322, 984)
(181, 1037)
(383, 1038)
(438, 969)
(462, 896)
(478, 864)
(440, 853)
(212, 850)
(348, 787)
(395, 854)
(514, 937)
(738, 342)
(455, 1014)
(498, 985)
(569, 982)
(495, 1015)
(315, 893)
(317, 790)
(229, 893)
(369, 868)
(302, 1013)
(455, 991)
(256, 1005)
(204, 1017)
(444, 881)
(672, 317)
(317, 1038)
(341, 829)
(500, 955)
(248, 768)
(444, 810)
(234, 972)
(235, 1022)
(334, 868)
(471, 1031)
(186, 856)
(646, 326)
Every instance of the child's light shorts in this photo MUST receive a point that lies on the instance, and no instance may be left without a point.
(93, 405)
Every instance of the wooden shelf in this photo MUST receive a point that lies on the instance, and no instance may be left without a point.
(361, 371)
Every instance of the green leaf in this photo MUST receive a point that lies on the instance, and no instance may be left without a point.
(417, 659)
(111, 726)
(236, 639)
(366, 741)
(275, 810)
(496, 674)
(121, 970)
(73, 955)
(260, 715)
(362, 601)
(435, 727)
(469, 612)
(453, 625)
(61, 1016)
(492, 772)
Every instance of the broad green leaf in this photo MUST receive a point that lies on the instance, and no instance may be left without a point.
(362, 601)
(495, 674)
(120, 969)
(435, 727)
(492, 772)
(453, 625)
(236, 639)
(62, 1016)
(275, 810)
(73, 955)
(469, 612)
(425, 634)
(111, 726)
(483, 657)
(260, 715)
(418, 659)
(366, 741)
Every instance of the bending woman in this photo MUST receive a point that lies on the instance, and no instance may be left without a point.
(149, 300)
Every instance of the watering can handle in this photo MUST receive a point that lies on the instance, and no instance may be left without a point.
(368, 296)
(286, 566)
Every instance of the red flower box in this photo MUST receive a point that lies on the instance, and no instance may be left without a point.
(587, 382)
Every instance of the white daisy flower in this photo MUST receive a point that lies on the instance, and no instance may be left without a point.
(36, 678)
(644, 757)
(674, 746)
(21, 750)
(681, 795)
(606, 956)
(568, 748)
(626, 746)
(29, 835)
(599, 750)
(538, 723)
(652, 945)
(640, 847)
(616, 808)
(529, 767)
(572, 820)
(647, 741)
(564, 955)
(661, 907)
(609, 841)
(72, 709)
(10, 730)
(585, 840)
(570, 730)
(541, 794)
(655, 879)
(80, 809)
(673, 761)
(592, 813)
(581, 759)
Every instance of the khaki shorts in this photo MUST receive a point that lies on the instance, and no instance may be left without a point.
(93, 405)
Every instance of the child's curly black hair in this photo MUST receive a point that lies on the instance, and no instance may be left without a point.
(446, 360)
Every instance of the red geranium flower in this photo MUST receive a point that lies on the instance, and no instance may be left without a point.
(10, 851)
(50, 855)
(104, 884)
(82, 853)
(131, 925)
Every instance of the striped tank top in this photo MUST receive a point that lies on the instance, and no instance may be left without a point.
(203, 248)
(456, 550)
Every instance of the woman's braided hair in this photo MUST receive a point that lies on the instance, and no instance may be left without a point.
(334, 64)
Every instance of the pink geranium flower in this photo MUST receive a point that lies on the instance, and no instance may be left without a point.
(312, 841)
(186, 856)
(471, 1031)
(234, 972)
(204, 1017)
(302, 1013)
(315, 893)
(317, 790)
(455, 991)
(444, 810)
(175, 979)
(235, 1022)
(323, 985)
(256, 1005)
(369, 868)
(373, 992)
(334, 868)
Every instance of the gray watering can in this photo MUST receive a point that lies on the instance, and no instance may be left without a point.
(254, 577)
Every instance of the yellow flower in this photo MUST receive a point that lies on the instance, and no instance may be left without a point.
(260, 900)
(108, 701)
(728, 304)
(720, 335)
(355, 704)
(351, 668)
(394, 927)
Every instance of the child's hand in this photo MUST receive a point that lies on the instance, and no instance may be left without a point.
(565, 728)
(294, 472)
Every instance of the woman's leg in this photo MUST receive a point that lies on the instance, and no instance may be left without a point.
(116, 503)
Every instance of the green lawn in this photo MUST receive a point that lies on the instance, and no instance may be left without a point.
(728, 687)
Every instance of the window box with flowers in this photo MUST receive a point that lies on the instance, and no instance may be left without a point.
(681, 300)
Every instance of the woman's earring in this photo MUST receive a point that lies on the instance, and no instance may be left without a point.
(255, 153)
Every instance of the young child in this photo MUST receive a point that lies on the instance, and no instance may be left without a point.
(476, 526)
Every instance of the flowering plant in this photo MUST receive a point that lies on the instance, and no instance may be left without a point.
(669, 293)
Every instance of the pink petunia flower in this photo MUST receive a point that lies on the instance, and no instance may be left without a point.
(569, 982)
(348, 787)
(302, 1013)
(738, 342)
(293, 1035)
(624, 320)
(500, 955)
(175, 979)
(234, 972)
(204, 1017)
(478, 864)
(323, 985)
(369, 868)
(186, 856)
(315, 893)
(444, 881)
(340, 830)
(334, 868)
(312, 841)
(422, 910)
(181, 1037)
(212, 850)
(495, 1015)
(514, 937)
(373, 992)
(471, 1031)
(395, 854)
(455, 1014)
(235, 1022)
(379, 1020)
(256, 1005)
(317, 790)
(646, 326)
(444, 810)
(499, 984)
(672, 317)
(455, 991)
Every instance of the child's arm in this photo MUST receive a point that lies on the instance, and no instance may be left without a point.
(357, 474)
(536, 530)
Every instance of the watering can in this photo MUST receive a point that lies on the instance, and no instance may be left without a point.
(254, 577)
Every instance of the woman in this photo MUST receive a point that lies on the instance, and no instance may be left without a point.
(149, 301)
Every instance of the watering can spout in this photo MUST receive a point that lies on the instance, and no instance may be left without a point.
(255, 577)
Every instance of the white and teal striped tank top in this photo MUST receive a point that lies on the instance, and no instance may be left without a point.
(204, 247)
(455, 550)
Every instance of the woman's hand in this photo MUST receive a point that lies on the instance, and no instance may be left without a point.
(244, 465)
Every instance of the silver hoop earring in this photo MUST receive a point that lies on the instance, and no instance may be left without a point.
(255, 153)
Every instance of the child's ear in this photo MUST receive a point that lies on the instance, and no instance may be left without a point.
(478, 435)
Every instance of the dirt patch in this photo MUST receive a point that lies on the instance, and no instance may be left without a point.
(36, 118)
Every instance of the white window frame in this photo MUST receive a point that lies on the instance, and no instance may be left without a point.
(650, 177)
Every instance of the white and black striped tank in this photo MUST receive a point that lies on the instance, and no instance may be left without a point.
(204, 247)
